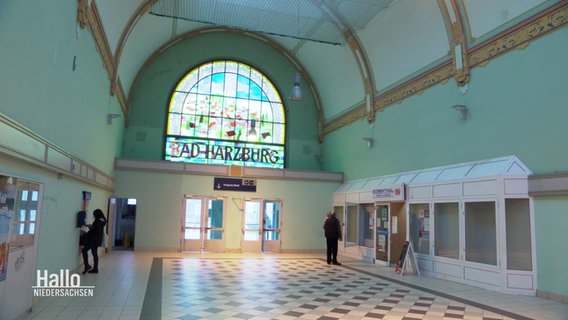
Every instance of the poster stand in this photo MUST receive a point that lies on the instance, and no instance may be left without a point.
(406, 255)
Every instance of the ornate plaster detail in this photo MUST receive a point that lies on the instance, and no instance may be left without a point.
(520, 36)
(517, 37)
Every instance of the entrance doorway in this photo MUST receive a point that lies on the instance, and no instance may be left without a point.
(382, 246)
(262, 226)
(203, 224)
(121, 231)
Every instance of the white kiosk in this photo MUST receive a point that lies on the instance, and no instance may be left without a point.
(471, 222)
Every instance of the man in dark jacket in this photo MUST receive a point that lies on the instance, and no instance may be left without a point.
(332, 229)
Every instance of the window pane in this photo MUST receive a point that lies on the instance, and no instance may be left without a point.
(519, 249)
(351, 231)
(446, 237)
(366, 227)
(229, 105)
(480, 232)
(420, 227)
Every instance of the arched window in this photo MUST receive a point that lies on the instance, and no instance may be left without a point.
(226, 112)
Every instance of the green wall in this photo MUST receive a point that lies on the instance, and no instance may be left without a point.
(551, 220)
(53, 82)
(159, 208)
(62, 199)
(517, 106)
(144, 137)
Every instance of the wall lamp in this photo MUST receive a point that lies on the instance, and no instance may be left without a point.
(462, 110)
(111, 116)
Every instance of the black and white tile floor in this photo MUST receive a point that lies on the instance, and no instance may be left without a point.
(167, 285)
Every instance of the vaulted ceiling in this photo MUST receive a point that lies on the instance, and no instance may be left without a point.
(377, 52)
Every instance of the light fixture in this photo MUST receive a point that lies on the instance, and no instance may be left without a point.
(369, 141)
(252, 132)
(111, 116)
(462, 110)
(296, 91)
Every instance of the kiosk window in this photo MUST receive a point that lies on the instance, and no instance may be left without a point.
(519, 239)
(481, 232)
(420, 227)
(446, 234)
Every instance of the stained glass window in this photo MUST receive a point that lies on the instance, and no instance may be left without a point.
(226, 112)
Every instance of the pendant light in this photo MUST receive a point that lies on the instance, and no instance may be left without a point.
(296, 91)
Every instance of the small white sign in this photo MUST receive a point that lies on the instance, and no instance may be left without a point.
(390, 192)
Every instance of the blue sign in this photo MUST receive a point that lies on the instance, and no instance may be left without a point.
(231, 184)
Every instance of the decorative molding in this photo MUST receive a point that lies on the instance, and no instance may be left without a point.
(517, 37)
(94, 24)
(417, 85)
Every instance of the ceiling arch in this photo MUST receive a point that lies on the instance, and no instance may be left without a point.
(370, 70)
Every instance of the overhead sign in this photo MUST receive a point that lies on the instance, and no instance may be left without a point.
(395, 192)
(232, 184)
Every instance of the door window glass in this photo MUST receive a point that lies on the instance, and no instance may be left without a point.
(215, 220)
(252, 221)
(192, 219)
(271, 220)
(25, 209)
(420, 227)
(351, 232)
(480, 232)
(446, 230)
(519, 239)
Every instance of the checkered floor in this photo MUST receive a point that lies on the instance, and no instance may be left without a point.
(193, 288)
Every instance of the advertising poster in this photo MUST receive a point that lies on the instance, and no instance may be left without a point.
(7, 200)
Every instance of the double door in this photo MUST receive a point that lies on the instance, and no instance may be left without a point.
(262, 226)
(203, 224)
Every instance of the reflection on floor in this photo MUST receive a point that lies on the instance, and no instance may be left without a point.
(166, 285)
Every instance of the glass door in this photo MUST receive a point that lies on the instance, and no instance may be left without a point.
(252, 227)
(192, 231)
(214, 226)
(202, 224)
(271, 231)
(382, 237)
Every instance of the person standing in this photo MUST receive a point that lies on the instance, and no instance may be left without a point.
(92, 241)
(332, 231)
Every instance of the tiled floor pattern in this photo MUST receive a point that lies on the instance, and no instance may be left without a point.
(170, 285)
(299, 288)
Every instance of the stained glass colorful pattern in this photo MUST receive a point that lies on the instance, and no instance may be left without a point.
(224, 106)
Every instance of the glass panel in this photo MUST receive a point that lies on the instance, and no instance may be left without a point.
(220, 108)
(366, 227)
(420, 227)
(480, 232)
(252, 221)
(446, 234)
(192, 234)
(193, 213)
(24, 211)
(215, 219)
(351, 232)
(251, 236)
(519, 236)
(271, 220)
(192, 219)
(338, 210)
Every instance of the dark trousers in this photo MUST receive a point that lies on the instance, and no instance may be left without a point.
(94, 252)
(331, 250)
